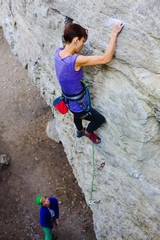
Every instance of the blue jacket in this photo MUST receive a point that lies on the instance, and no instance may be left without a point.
(45, 216)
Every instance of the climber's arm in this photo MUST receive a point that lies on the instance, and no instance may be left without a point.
(107, 57)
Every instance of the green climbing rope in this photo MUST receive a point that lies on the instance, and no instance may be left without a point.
(85, 211)
(92, 171)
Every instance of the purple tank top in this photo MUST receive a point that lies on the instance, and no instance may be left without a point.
(69, 79)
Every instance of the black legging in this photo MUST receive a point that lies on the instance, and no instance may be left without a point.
(95, 118)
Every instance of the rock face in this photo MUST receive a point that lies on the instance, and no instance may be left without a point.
(126, 91)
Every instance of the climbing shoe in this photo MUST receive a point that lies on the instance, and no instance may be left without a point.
(93, 137)
(80, 134)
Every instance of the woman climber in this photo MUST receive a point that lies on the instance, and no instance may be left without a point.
(68, 65)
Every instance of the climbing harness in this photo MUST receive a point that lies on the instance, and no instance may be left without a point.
(91, 201)
(62, 103)
(76, 97)
(80, 98)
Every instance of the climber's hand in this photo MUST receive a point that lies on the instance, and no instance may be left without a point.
(117, 28)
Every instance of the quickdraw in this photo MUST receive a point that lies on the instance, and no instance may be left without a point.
(95, 202)
(100, 167)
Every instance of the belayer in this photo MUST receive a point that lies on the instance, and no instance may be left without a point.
(49, 215)
(68, 65)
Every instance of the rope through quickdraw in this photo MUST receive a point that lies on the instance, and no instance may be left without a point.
(90, 201)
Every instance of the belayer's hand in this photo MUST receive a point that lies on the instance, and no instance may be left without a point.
(58, 223)
(117, 28)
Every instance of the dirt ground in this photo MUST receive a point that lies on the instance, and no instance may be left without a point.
(37, 166)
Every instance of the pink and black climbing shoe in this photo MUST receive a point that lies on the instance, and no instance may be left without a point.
(93, 137)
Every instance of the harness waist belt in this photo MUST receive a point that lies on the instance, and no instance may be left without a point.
(76, 97)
